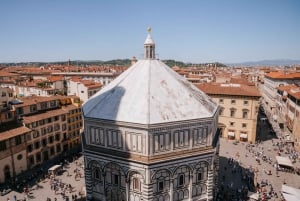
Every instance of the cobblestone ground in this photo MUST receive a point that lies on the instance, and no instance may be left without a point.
(240, 169)
(42, 190)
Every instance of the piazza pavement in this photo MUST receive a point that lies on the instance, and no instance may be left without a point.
(42, 190)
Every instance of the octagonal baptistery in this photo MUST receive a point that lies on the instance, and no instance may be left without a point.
(150, 135)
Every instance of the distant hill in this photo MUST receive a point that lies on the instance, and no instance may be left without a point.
(273, 62)
(115, 62)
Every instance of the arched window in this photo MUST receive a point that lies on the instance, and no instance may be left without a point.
(161, 181)
(6, 171)
(96, 172)
(136, 184)
(202, 172)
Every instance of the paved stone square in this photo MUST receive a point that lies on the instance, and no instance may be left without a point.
(43, 190)
(242, 165)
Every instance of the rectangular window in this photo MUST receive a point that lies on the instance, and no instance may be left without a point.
(58, 148)
(64, 127)
(34, 124)
(29, 148)
(50, 129)
(246, 102)
(136, 184)
(37, 144)
(221, 101)
(199, 176)
(20, 111)
(181, 180)
(36, 134)
(33, 108)
(38, 157)
(18, 140)
(244, 125)
(31, 160)
(51, 139)
(245, 114)
(52, 103)
(232, 101)
(2, 145)
(44, 142)
(161, 142)
(41, 122)
(160, 186)
(231, 123)
(232, 113)
(63, 117)
(44, 105)
(56, 127)
(49, 120)
(8, 115)
(221, 111)
(52, 152)
(115, 179)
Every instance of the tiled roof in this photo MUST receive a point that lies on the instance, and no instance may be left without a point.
(55, 78)
(282, 75)
(229, 89)
(95, 86)
(69, 107)
(13, 132)
(44, 115)
(6, 74)
(37, 99)
(287, 87)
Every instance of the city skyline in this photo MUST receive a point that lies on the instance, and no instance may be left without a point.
(197, 31)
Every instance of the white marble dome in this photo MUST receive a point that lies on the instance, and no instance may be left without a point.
(149, 92)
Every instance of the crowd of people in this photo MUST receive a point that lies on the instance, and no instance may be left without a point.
(239, 175)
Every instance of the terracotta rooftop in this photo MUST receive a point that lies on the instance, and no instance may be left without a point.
(228, 89)
(44, 115)
(55, 78)
(286, 87)
(69, 107)
(37, 99)
(13, 132)
(282, 75)
(7, 74)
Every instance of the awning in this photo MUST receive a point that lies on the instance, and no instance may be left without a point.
(252, 195)
(285, 161)
(244, 135)
(290, 193)
(231, 134)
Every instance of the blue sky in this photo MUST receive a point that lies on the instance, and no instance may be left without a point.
(190, 31)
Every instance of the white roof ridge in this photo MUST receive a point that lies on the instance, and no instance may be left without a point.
(116, 85)
(149, 92)
(192, 87)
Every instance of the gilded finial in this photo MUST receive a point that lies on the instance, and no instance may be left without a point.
(149, 29)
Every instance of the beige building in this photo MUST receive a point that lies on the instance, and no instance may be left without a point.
(288, 100)
(238, 109)
(13, 156)
(40, 129)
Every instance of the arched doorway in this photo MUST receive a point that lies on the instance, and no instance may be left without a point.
(6, 171)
